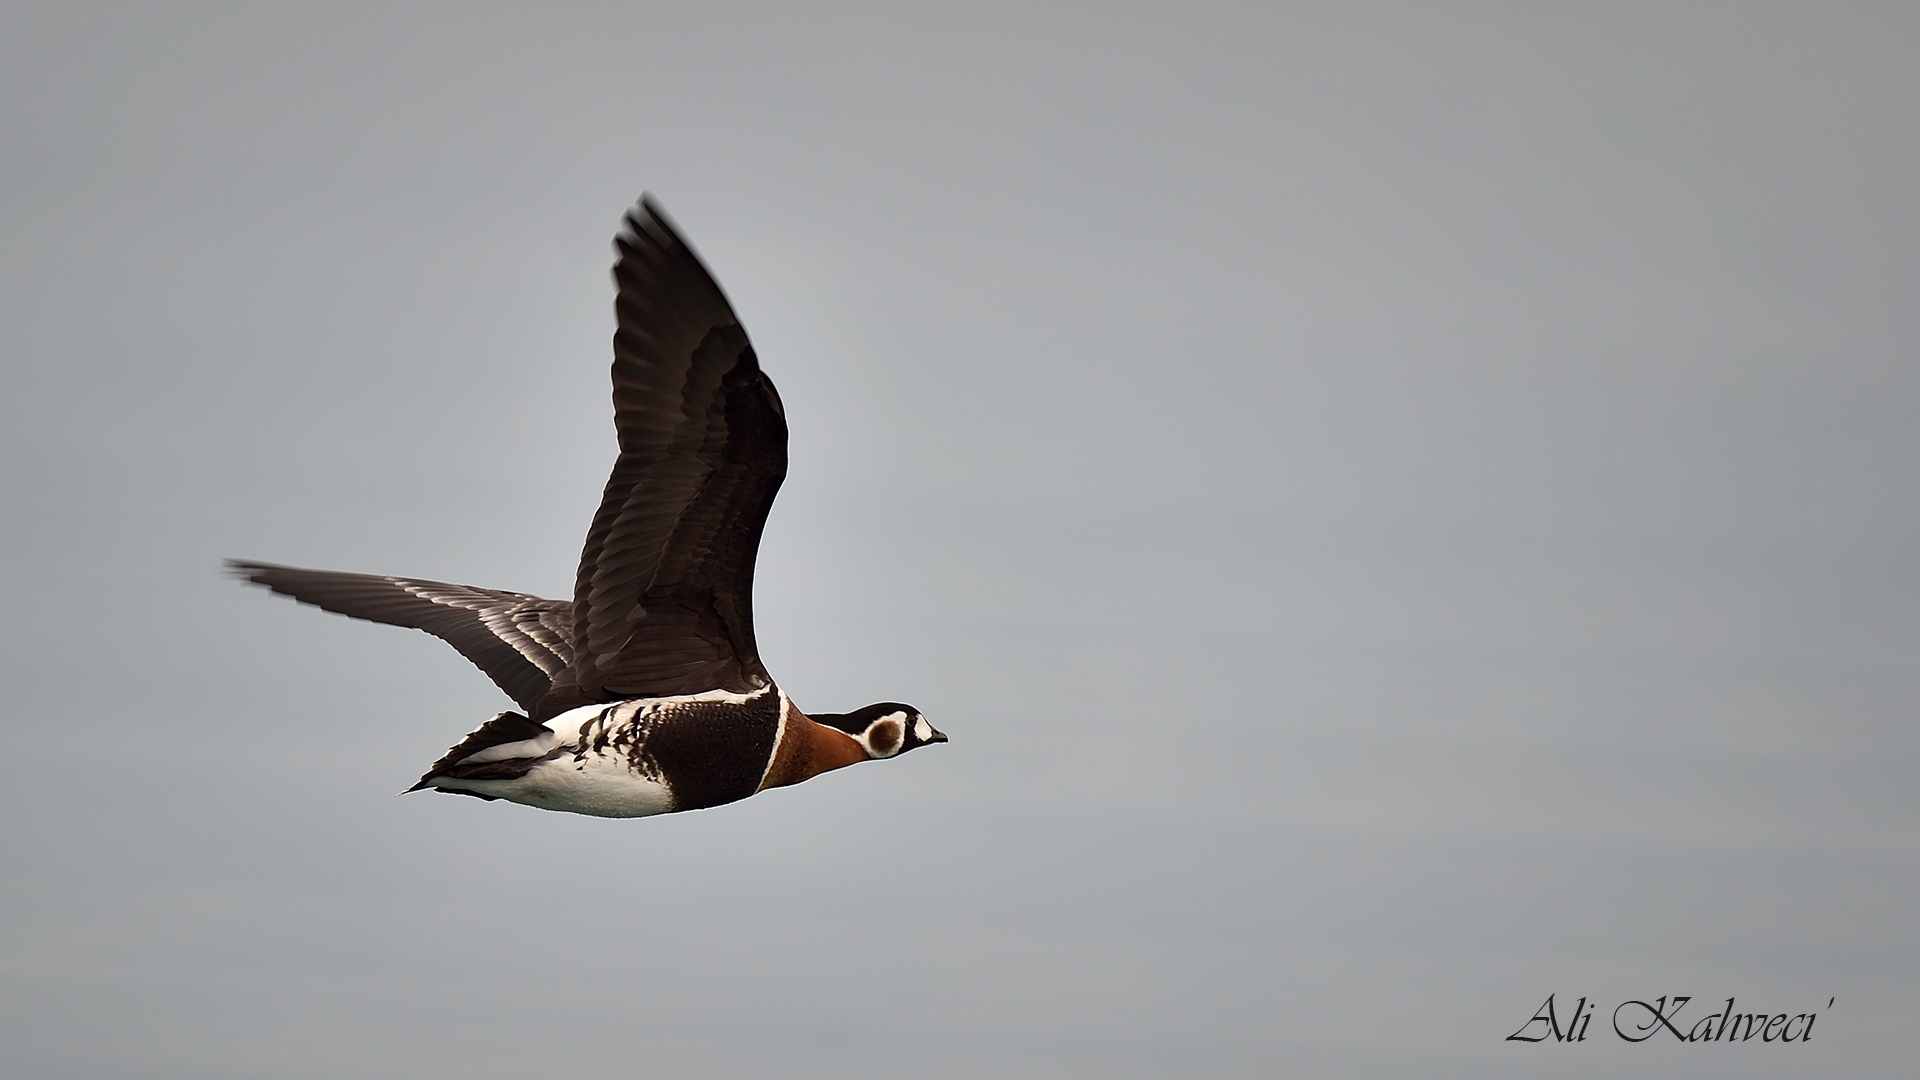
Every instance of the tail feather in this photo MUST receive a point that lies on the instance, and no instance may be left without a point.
(504, 728)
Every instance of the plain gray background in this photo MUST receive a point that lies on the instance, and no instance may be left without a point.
(1402, 509)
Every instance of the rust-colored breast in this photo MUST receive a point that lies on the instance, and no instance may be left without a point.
(807, 749)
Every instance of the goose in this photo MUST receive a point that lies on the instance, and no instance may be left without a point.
(645, 693)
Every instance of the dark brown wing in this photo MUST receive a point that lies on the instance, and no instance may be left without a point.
(664, 600)
(520, 641)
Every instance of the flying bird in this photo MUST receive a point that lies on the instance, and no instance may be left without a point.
(645, 693)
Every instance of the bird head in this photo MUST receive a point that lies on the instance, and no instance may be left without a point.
(884, 730)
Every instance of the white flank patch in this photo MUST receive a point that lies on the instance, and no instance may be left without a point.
(533, 747)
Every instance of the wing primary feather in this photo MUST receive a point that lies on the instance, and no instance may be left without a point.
(520, 641)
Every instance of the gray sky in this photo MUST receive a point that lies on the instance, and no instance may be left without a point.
(1402, 511)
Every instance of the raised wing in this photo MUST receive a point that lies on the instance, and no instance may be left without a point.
(520, 641)
(664, 599)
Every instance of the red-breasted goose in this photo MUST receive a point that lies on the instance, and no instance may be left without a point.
(644, 694)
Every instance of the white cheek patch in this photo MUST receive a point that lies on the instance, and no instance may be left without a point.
(922, 730)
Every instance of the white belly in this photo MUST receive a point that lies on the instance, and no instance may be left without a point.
(600, 783)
